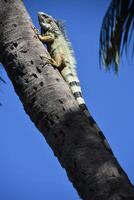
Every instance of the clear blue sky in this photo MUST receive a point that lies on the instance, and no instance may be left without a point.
(28, 168)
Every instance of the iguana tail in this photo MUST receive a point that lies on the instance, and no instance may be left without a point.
(72, 80)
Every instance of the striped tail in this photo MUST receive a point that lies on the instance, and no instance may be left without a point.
(72, 80)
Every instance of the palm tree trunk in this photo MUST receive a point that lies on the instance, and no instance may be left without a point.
(92, 169)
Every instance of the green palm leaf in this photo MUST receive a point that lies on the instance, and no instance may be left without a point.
(116, 32)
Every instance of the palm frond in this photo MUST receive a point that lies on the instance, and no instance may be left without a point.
(116, 32)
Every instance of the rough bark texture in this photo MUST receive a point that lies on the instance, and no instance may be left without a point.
(93, 170)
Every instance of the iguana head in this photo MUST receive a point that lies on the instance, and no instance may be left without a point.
(43, 16)
(45, 20)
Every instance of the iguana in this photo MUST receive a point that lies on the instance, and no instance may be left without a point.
(62, 57)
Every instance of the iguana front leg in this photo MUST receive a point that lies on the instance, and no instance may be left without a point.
(46, 38)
